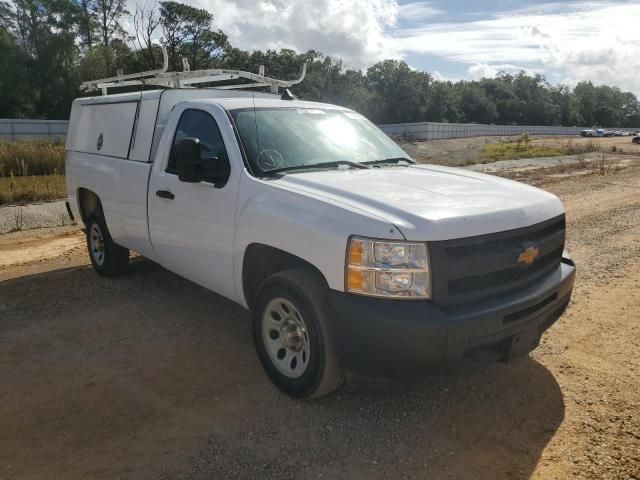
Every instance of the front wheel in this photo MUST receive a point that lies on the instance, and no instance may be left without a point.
(108, 258)
(292, 334)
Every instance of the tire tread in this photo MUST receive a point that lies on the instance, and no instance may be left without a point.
(116, 257)
(313, 288)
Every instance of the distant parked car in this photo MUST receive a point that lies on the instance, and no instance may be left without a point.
(587, 133)
(601, 132)
(617, 133)
(626, 133)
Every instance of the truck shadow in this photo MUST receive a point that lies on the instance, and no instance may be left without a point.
(149, 375)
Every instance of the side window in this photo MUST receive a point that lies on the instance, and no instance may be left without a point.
(198, 124)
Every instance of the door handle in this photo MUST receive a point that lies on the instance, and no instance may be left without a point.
(165, 194)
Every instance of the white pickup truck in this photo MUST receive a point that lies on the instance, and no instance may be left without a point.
(350, 256)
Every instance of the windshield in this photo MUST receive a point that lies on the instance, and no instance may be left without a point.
(280, 138)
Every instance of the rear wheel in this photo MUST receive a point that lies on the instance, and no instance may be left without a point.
(108, 258)
(292, 334)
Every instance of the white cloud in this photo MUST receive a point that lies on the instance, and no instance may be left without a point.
(484, 70)
(417, 11)
(355, 30)
(481, 70)
(595, 41)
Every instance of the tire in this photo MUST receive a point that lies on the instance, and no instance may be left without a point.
(108, 258)
(299, 298)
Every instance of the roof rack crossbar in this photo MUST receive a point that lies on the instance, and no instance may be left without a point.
(187, 78)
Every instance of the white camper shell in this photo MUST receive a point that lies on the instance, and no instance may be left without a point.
(129, 125)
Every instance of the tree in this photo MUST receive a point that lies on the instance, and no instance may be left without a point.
(402, 92)
(187, 32)
(6, 16)
(102, 62)
(630, 110)
(48, 46)
(568, 107)
(108, 13)
(87, 23)
(45, 30)
(15, 98)
(145, 23)
(475, 105)
(585, 94)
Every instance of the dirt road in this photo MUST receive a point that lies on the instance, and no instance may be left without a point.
(150, 376)
(467, 151)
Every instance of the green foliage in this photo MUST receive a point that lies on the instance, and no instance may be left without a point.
(43, 72)
(187, 33)
(49, 46)
(14, 84)
(523, 148)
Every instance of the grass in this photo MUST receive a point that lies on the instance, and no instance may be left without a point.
(24, 158)
(16, 190)
(32, 171)
(522, 148)
(511, 151)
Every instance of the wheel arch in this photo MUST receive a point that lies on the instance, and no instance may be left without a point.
(260, 261)
(88, 201)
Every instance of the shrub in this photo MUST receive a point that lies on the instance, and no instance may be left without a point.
(16, 190)
(509, 151)
(22, 158)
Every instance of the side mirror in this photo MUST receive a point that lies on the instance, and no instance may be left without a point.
(189, 161)
(192, 168)
(218, 171)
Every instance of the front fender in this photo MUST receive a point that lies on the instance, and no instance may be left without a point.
(303, 224)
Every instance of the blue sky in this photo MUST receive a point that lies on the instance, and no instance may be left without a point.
(453, 39)
(450, 12)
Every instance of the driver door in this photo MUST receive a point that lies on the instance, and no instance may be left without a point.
(191, 225)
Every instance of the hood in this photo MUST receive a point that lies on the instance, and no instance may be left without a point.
(433, 202)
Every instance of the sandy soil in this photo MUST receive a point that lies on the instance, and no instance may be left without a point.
(150, 376)
(23, 247)
(465, 151)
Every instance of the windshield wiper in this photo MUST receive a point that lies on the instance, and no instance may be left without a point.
(393, 160)
(305, 166)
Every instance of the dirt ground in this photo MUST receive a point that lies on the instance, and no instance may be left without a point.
(466, 151)
(150, 376)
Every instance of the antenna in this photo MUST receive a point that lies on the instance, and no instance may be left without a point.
(255, 117)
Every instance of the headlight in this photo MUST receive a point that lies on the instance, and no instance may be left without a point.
(388, 269)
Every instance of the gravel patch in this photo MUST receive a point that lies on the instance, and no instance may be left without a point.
(532, 163)
(41, 215)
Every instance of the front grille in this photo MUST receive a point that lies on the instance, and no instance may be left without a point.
(476, 268)
(459, 286)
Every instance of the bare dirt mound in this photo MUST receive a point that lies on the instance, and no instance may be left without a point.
(22, 247)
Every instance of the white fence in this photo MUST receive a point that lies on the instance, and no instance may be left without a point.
(14, 129)
(11, 129)
(434, 131)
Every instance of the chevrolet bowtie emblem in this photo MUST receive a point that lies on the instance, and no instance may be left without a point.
(528, 255)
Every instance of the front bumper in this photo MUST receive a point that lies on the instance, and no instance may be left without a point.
(396, 338)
